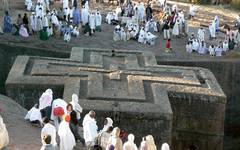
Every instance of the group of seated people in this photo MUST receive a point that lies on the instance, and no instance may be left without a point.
(195, 45)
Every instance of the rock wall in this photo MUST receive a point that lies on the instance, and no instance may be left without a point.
(228, 76)
(8, 54)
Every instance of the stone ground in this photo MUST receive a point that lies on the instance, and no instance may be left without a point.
(26, 137)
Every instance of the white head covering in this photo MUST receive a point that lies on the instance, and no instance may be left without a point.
(165, 146)
(130, 145)
(150, 143)
(45, 99)
(109, 124)
(75, 104)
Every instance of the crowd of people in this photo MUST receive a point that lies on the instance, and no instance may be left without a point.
(68, 125)
(133, 21)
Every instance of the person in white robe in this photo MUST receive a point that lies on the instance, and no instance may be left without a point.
(225, 46)
(86, 5)
(50, 31)
(3, 135)
(55, 20)
(117, 33)
(211, 50)
(65, 4)
(141, 10)
(67, 140)
(175, 31)
(45, 22)
(44, 101)
(76, 106)
(75, 32)
(89, 128)
(195, 45)
(48, 129)
(109, 17)
(150, 38)
(85, 16)
(212, 29)
(218, 50)
(202, 48)
(201, 34)
(39, 23)
(192, 11)
(189, 47)
(123, 35)
(29, 5)
(70, 14)
(108, 122)
(98, 20)
(23, 31)
(39, 10)
(92, 22)
(130, 145)
(165, 146)
(67, 37)
(142, 36)
(151, 26)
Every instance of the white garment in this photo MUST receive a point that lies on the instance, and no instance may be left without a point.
(67, 37)
(45, 21)
(65, 4)
(142, 36)
(3, 134)
(56, 104)
(76, 105)
(218, 51)
(67, 140)
(202, 49)
(176, 29)
(201, 35)
(76, 33)
(55, 20)
(92, 23)
(189, 48)
(141, 10)
(211, 50)
(39, 11)
(50, 31)
(195, 45)
(33, 22)
(85, 15)
(130, 145)
(212, 29)
(151, 26)
(45, 100)
(89, 128)
(49, 129)
(165, 146)
(34, 114)
(166, 34)
(109, 124)
(192, 10)
(123, 35)
(150, 38)
(98, 19)
(225, 46)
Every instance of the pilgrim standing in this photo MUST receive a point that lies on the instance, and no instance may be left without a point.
(7, 28)
(98, 20)
(130, 145)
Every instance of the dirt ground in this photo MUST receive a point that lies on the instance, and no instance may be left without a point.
(26, 137)
(104, 39)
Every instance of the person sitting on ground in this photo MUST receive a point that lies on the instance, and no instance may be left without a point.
(189, 47)
(23, 31)
(87, 30)
(211, 50)
(218, 49)
(67, 37)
